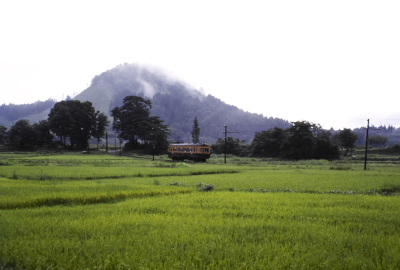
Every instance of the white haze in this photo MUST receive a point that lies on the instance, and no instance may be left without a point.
(335, 63)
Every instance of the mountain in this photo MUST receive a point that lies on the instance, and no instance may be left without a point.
(173, 100)
(108, 89)
(176, 103)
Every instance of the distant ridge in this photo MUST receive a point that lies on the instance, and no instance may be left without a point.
(34, 112)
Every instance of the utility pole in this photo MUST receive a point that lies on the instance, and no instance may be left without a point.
(226, 132)
(106, 142)
(154, 141)
(115, 140)
(366, 146)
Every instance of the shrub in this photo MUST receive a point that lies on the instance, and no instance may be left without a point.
(208, 187)
(180, 184)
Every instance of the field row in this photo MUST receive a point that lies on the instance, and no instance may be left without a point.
(208, 231)
(54, 190)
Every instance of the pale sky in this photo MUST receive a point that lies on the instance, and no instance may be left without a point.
(334, 63)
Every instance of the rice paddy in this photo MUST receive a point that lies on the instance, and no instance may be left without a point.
(70, 211)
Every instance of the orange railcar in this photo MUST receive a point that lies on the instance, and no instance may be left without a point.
(196, 152)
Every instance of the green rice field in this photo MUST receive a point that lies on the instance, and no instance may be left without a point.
(97, 211)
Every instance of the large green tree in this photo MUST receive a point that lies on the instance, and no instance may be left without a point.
(268, 143)
(73, 120)
(132, 119)
(346, 140)
(325, 147)
(3, 134)
(133, 123)
(158, 137)
(21, 135)
(101, 124)
(42, 133)
(230, 146)
(300, 141)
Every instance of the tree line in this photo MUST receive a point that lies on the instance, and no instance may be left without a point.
(72, 123)
(302, 140)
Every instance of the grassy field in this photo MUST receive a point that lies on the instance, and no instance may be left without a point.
(71, 211)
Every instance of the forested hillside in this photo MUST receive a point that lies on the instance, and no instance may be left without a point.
(34, 112)
(179, 111)
(176, 103)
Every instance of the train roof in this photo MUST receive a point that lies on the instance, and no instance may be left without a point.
(189, 144)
